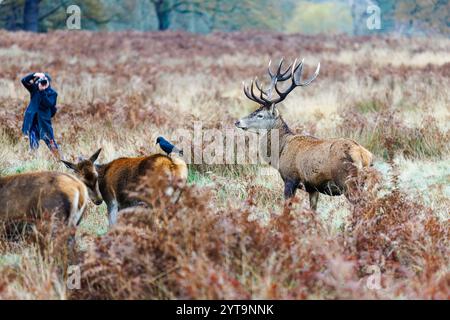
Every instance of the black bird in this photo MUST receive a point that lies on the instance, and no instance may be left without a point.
(167, 147)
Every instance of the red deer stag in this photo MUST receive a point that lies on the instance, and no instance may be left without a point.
(25, 196)
(315, 165)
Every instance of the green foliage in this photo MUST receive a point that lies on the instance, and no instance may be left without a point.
(326, 17)
(212, 15)
(424, 14)
(205, 16)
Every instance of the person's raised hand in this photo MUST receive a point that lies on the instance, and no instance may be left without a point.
(39, 75)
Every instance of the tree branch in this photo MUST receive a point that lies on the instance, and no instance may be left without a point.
(52, 11)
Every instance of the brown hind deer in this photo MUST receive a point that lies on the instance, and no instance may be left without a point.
(120, 176)
(327, 166)
(24, 197)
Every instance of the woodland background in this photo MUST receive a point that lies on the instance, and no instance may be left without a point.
(408, 17)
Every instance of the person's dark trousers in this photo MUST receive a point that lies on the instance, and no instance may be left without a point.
(35, 136)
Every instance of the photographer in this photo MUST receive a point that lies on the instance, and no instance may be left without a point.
(37, 124)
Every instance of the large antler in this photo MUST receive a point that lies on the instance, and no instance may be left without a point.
(264, 96)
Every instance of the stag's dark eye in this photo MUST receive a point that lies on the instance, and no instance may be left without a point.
(260, 116)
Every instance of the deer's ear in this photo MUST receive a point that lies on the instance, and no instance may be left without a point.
(70, 165)
(274, 110)
(94, 157)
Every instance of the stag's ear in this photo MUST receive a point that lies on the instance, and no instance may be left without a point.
(274, 110)
(94, 157)
(70, 165)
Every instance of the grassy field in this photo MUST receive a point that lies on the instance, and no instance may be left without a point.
(229, 235)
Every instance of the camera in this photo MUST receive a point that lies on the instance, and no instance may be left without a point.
(42, 81)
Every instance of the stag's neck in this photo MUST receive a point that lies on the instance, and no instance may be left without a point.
(283, 128)
(284, 132)
(276, 139)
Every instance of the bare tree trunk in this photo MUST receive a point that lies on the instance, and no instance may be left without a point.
(163, 15)
(31, 15)
(163, 20)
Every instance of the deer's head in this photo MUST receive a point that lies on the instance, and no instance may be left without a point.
(86, 171)
(267, 115)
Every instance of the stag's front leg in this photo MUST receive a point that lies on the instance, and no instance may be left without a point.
(313, 199)
(290, 186)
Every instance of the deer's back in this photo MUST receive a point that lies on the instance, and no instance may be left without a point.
(120, 176)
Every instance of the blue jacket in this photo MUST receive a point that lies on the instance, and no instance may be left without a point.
(42, 105)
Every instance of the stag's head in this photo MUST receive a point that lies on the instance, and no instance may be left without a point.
(86, 171)
(267, 115)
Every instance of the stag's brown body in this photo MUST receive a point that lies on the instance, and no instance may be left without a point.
(318, 165)
(26, 196)
(119, 177)
(328, 166)
(321, 163)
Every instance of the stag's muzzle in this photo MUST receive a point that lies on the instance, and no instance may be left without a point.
(240, 124)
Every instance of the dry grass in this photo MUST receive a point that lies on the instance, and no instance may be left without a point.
(227, 237)
(191, 250)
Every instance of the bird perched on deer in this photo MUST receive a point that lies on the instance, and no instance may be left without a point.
(120, 176)
(327, 166)
(167, 147)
